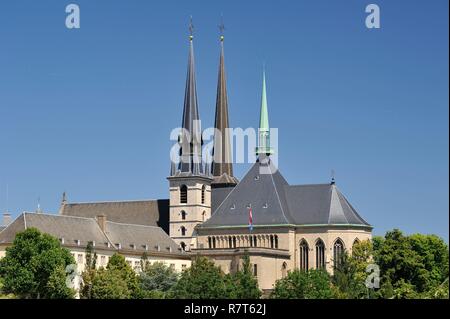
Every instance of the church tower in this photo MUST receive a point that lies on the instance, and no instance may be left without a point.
(190, 179)
(222, 166)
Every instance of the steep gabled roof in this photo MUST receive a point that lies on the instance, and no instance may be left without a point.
(139, 212)
(260, 190)
(72, 229)
(82, 230)
(320, 204)
(275, 202)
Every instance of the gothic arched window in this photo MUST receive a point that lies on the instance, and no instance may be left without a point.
(320, 254)
(283, 270)
(183, 215)
(183, 194)
(183, 246)
(183, 231)
(338, 252)
(304, 255)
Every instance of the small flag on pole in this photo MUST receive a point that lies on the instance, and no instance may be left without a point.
(250, 218)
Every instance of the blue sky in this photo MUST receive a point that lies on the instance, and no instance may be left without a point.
(89, 111)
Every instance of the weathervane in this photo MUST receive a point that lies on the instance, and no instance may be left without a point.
(191, 29)
(221, 28)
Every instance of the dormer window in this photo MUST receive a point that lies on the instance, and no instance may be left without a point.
(257, 178)
(233, 206)
(265, 205)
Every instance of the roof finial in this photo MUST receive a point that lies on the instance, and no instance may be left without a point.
(221, 28)
(333, 181)
(38, 205)
(64, 198)
(191, 29)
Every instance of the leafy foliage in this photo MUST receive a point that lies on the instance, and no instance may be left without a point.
(107, 284)
(242, 284)
(203, 280)
(312, 284)
(34, 266)
(89, 272)
(157, 280)
(412, 266)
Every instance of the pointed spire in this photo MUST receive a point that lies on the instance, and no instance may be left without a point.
(222, 167)
(190, 137)
(264, 129)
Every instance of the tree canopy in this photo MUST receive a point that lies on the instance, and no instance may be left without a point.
(34, 266)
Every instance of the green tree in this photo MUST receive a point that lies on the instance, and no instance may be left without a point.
(298, 284)
(33, 265)
(56, 285)
(243, 284)
(89, 272)
(203, 280)
(157, 279)
(411, 266)
(347, 281)
(107, 284)
(118, 264)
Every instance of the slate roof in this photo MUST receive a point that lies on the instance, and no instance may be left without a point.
(135, 237)
(138, 238)
(275, 202)
(139, 212)
(67, 227)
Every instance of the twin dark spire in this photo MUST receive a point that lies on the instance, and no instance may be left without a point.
(190, 138)
(190, 141)
(222, 167)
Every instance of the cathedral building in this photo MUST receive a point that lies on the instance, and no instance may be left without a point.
(211, 213)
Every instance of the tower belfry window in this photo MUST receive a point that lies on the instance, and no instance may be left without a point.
(183, 194)
(203, 193)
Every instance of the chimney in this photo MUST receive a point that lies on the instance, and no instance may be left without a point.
(6, 219)
(101, 220)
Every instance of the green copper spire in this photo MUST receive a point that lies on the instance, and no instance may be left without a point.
(264, 130)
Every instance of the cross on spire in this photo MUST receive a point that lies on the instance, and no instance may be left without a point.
(221, 28)
(191, 29)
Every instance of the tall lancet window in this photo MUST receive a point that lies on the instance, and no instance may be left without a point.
(338, 253)
(183, 194)
(304, 255)
(320, 254)
(203, 193)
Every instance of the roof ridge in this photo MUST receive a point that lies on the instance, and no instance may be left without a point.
(278, 196)
(117, 201)
(300, 185)
(127, 224)
(58, 215)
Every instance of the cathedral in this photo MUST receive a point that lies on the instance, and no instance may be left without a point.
(212, 213)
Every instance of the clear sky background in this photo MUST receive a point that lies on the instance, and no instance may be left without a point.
(89, 111)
